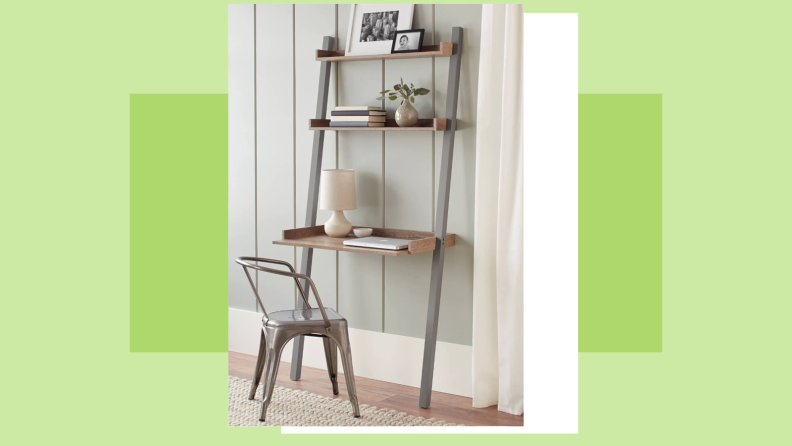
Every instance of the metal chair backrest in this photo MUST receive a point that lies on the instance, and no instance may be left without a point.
(245, 262)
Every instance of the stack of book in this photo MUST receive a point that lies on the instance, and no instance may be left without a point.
(357, 116)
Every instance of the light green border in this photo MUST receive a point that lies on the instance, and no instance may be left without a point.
(64, 174)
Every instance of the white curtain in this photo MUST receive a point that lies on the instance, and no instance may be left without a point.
(498, 233)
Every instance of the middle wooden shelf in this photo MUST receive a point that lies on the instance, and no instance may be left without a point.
(315, 237)
(425, 125)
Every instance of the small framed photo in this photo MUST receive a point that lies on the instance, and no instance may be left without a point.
(408, 41)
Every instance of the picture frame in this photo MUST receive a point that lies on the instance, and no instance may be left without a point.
(372, 27)
(408, 41)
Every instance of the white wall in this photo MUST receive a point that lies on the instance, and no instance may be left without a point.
(396, 172)
(241, 151)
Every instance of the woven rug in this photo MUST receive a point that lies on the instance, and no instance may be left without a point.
(291, 407)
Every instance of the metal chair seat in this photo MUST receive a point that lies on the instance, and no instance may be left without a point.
(304, 317)
(280, 327)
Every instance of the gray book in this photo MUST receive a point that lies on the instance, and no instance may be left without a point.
(357, 113)
(358, 118)
(357, 107)
(356, 124)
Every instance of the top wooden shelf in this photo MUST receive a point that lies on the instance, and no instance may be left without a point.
(443, 50)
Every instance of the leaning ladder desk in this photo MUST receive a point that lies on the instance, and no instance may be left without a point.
(312, 236)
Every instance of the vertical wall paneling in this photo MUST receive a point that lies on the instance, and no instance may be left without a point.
(359, 276)
(312, 24)
(275, 145)
(408, 192)
(396, 172)
(456, 304)
(241, 152)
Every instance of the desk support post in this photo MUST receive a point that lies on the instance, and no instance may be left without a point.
(313, 197)
(441, 220)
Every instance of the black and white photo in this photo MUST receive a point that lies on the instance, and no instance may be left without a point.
(408, 41)
(372, 28)
(379, 26)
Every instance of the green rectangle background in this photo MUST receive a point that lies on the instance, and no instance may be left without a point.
(178, 222)
(620, 223)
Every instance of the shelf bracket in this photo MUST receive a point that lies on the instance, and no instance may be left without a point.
(313, 197)
(441, 219)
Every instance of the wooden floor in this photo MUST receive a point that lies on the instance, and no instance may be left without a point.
(450, 408)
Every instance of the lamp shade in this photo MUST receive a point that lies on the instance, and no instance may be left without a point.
(337, 190)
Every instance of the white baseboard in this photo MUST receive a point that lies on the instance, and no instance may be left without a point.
(381, 356)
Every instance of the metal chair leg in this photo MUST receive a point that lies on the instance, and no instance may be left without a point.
(346, 359)
(275, 342)
(332, 362)
(262, 358)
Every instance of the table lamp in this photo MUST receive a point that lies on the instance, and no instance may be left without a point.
(337, 194)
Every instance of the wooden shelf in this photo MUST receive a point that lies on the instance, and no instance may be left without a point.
(315, 237)
(423, 125)
(443, 50)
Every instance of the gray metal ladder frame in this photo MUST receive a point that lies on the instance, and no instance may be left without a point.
(441, 216)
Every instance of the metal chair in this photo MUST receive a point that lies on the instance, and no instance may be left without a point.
(281, 326)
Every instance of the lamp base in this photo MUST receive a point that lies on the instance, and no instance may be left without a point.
(338, 225)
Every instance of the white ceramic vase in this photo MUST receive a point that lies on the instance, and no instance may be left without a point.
(406, 114)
